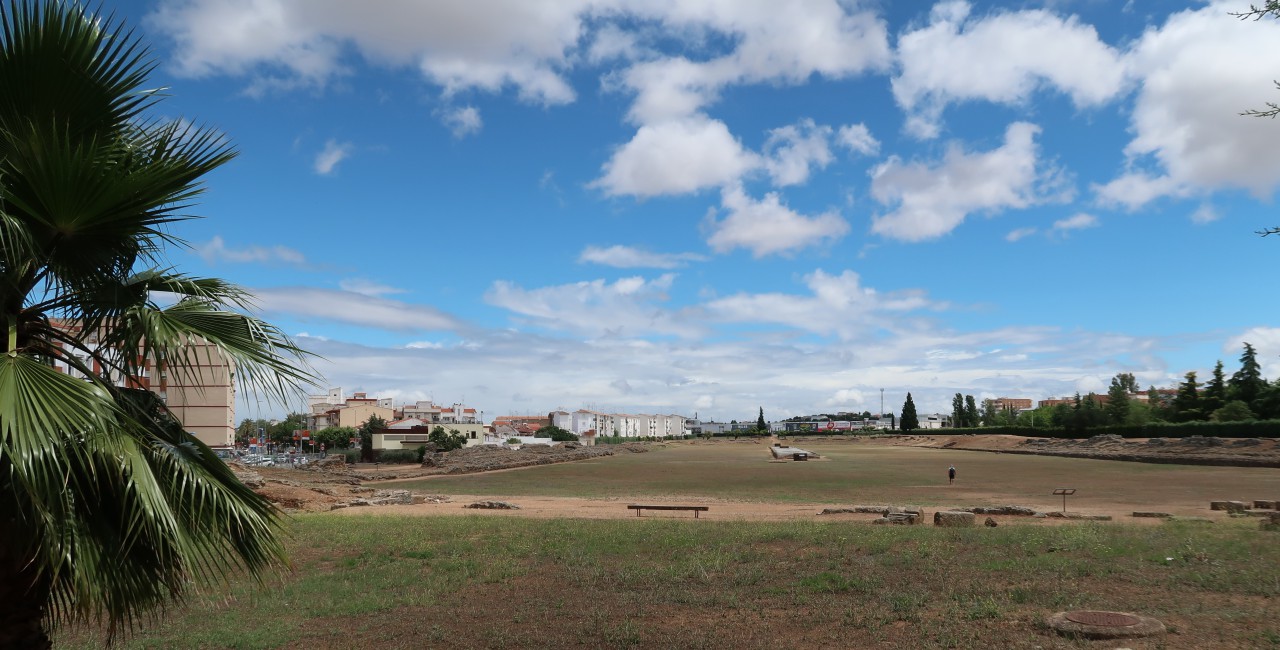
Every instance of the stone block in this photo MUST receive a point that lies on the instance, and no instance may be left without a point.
(954, 519)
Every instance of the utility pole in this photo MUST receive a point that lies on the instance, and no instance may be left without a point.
(881, 404)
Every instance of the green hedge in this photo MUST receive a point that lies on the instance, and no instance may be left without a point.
(1255, 429)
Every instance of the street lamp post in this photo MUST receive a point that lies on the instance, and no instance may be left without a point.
(881, 417)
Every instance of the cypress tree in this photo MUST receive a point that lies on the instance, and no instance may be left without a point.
(970, 411)
(760, 423)
(910, 421)
(1247, 383)
(957, 411)
(1187, 403)
(1214, 396)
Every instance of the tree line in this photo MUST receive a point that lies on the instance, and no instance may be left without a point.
(1244, 396)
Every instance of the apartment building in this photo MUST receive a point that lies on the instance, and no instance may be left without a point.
(587, 422)
(1012, 403)
(201, 395)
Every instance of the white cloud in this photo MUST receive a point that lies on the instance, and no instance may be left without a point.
(463, 121)
(812, 37)
(297, 43)
(627, 257)
(216, 250)
(858, 139)
(333, 153)
(1205, 214)
(768, 227)
(1197, 72)
(875, 340)
(932, 200)
(1135, 189)
(1265, 342)
(627, 307)
(368, 287)
(1075, 222)
(310, 303)
(611, 42)
(1004, 58)
(1019, 233)
(676, 157)
(791, 150)
(838, 305)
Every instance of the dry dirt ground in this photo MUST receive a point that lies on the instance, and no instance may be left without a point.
(321, 489)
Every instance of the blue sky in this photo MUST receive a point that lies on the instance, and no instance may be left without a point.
(717, 205)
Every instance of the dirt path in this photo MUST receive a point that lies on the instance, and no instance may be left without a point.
(542, 507)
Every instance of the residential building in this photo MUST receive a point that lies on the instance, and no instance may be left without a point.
(1012, 403)
(535, 421)
(938, 420)
(202, 395)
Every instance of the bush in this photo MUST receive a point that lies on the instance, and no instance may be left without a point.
(422, 452)
(396, 456)
(447, 441)
(513, 441)
(351, 455)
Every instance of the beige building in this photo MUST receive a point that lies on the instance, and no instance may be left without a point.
(201, 396)
(354, 416)
(393, 438)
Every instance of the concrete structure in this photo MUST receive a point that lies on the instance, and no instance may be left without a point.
(202, 395)
(586, 422)
(936, 421)
(410, 438)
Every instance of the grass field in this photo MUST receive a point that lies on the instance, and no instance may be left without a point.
(479, 581)
(865, 473)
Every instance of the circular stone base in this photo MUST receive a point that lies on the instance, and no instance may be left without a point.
(1105, 625)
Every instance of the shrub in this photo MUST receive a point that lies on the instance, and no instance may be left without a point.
(396, 456)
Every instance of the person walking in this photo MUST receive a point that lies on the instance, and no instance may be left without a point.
(951, 475)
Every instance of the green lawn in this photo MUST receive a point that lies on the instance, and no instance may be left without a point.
(477, 582)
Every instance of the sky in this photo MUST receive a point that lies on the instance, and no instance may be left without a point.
(706, 207)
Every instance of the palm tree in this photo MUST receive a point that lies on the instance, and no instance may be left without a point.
(108, 508)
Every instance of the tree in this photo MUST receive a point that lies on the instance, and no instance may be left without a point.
(1117, 408)
(447, 441)
(335, 437)
(990, 414)
(1215, 392)
(110, 508)
(761, 425)
(910, 421)
(1246, 384)
(957, 411)
(1128, 382)
(554, 432)
(970, 411)
(1233, 411)
(371, 426)
(1187, 403)
(281, 432)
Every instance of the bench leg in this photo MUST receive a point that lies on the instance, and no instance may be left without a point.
(695, 514)
(637, 512)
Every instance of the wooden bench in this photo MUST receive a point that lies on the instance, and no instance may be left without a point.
(695, 509)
